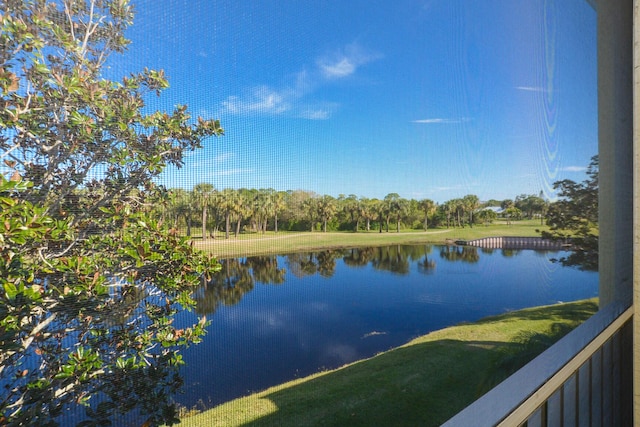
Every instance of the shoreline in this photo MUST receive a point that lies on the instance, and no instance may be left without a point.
(289, 242)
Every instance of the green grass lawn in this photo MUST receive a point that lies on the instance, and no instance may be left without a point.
(249, 244)
(424, 382)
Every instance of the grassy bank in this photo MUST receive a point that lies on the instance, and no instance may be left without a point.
(286, 242)
(424, 382)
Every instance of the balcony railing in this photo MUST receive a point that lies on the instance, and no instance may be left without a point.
(583, 379)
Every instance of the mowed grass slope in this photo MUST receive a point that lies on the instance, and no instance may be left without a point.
(250, 244)
(424, 382)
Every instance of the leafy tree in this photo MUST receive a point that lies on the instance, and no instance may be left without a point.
(531, 205)
(352, 206)
(447, 208)
(470, 203)
(203, 195)
(487, 216)
(427, 206)
(278, 199)
(228, 204)
(506, 204)
(401, 209)
(180, 204)
(575, 217)
(241, 210)
(512, 213)
(326, 208)
(459, 210)
(369, 211)
(310, 206)
(390, 205)
(89, 280)
(263, 208)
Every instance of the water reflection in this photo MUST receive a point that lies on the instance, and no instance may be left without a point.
(278, 317)
(460, 253)
(265, 270)
(393, 259)
(358, 257)
(226, 286)
(427, 265)
(239, 275)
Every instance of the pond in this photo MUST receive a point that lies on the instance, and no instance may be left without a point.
(276, 318)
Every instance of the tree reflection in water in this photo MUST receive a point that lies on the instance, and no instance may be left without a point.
(226, 287)
(311, 310)
(460, 253)
(239, 275)
(302, 264)
(426, 265)
(391, 258)
(265, 270)
(358, 257)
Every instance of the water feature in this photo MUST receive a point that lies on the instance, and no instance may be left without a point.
(275, 318)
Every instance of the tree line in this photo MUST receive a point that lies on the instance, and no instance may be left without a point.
(232, 211)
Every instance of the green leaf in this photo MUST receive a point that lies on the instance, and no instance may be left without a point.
(10, 290)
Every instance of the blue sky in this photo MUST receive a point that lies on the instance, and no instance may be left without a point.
(429, 99)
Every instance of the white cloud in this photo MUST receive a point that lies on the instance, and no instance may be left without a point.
(262, 100)
(318, 111)
(441, 120)
(315, 114)
(290, 98)
(345, 62)
(343, 68)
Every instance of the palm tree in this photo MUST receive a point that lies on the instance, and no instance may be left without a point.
(181, 205)
(353, 207)
(310, 207)
(227, 203)
(390, 205)
(264, 208)
(277, 204)
(543, 206)
(326, 209)
(260, 207)
(203, 194)
(359, 212)
(458, 209)
(448, 207)
(471, 203)
(427, 206)
(368, 211)
(242, 210)
(401, 208)
(383, 213)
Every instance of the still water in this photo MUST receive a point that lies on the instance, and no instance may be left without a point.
(276, 318)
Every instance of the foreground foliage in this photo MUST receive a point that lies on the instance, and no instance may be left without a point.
(575, 217)
(90, 282)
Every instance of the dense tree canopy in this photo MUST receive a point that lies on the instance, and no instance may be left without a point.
(89, 280)
(575, 218)
(259, 210)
